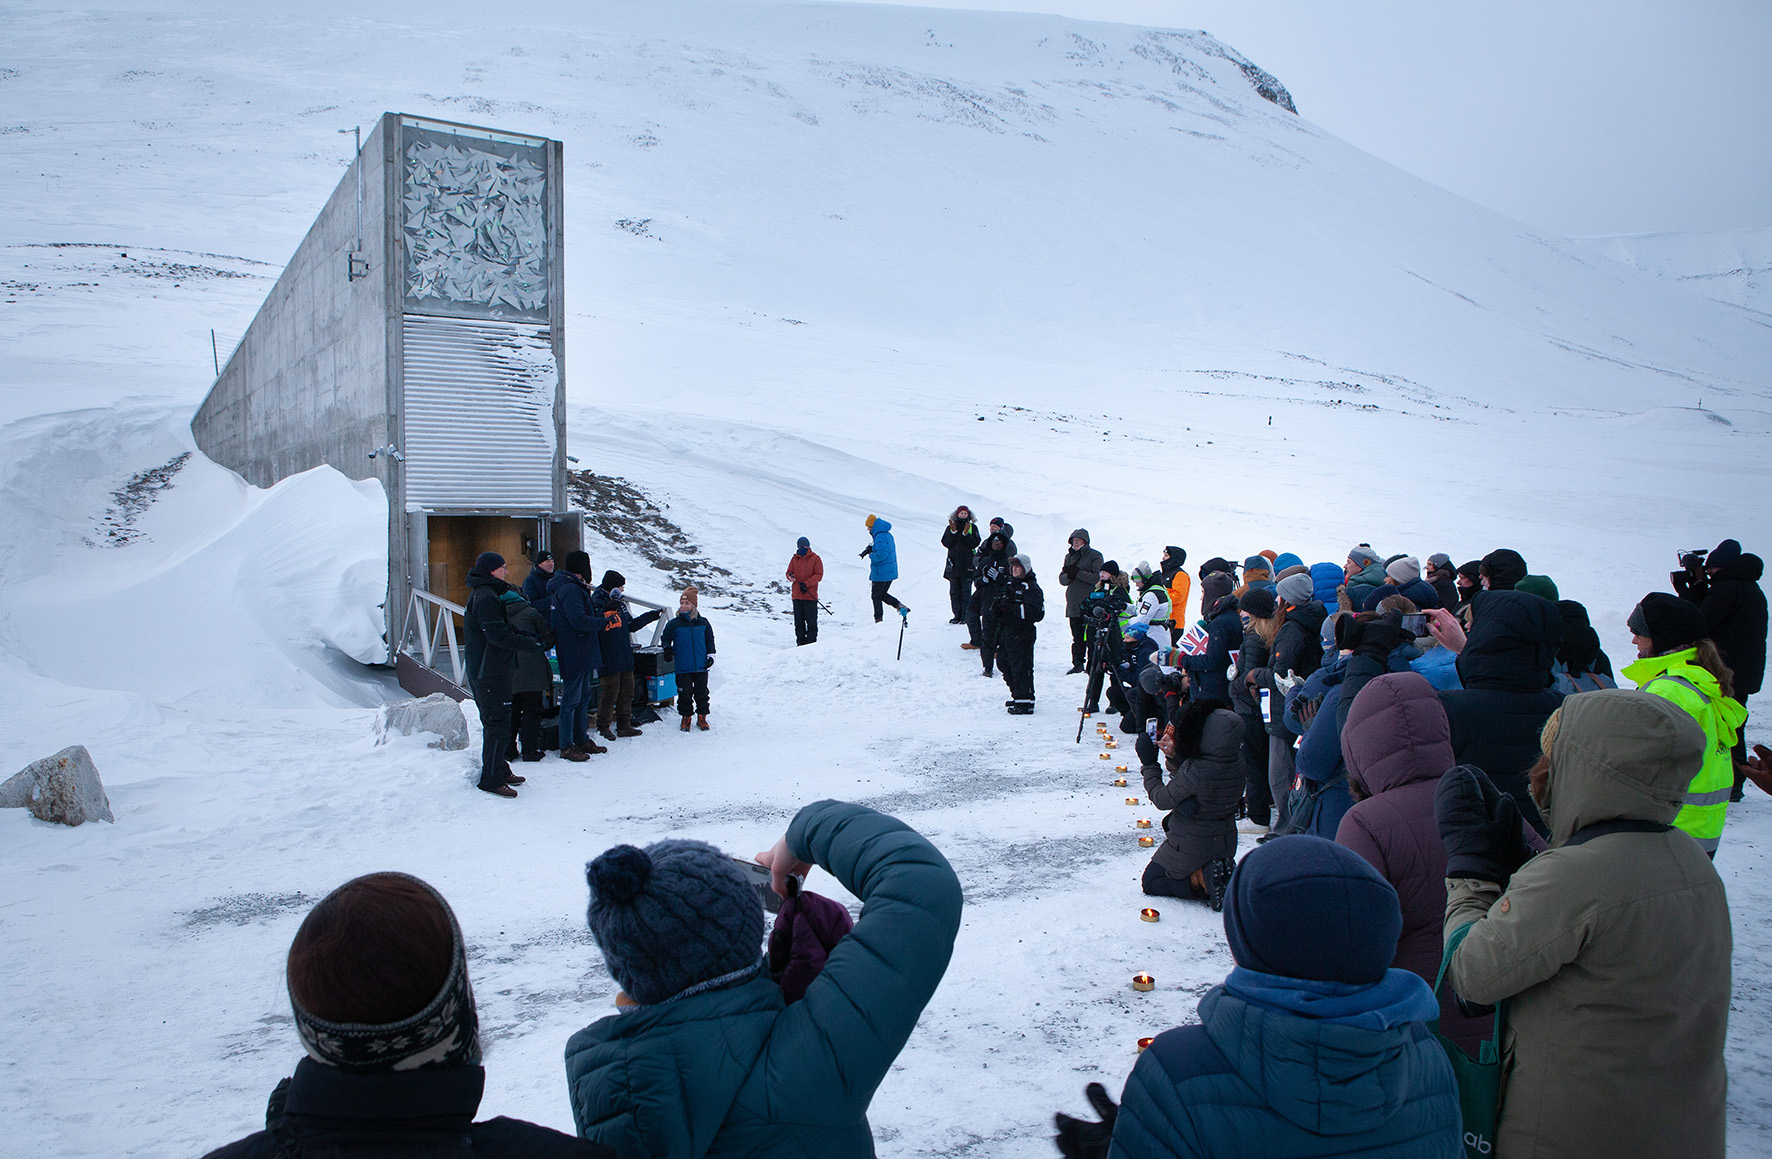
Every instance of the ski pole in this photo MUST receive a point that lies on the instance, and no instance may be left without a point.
(1089, 658)
(902, 621)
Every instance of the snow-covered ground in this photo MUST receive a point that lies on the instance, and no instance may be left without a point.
(822, 260)
(1730, 265)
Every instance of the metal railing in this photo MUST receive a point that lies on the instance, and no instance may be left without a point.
(430, 621)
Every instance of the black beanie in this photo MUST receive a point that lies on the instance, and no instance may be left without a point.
(1112, 567)
(1726, 553)
(1259, 602)
(1505, 568)
(488, 562)
(1670, 622)
(613, 579)
(579, 564)
(1303, 907)
(542, 557)
(1217, 564)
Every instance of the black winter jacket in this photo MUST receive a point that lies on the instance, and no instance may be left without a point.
(1224, 635)
(533, 673)
(990, 569)
(492, 646)
(1201, 794)
(615, 639)
(962, 545)
(1507, 695)
(1020, 607)
(1735, 620)
(419, 1114)
(1251, 655)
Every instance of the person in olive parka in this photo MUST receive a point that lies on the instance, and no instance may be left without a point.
(492, 649)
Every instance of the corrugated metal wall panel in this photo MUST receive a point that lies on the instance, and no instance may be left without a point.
(479, 404)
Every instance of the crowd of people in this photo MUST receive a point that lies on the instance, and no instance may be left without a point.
(1483, 917)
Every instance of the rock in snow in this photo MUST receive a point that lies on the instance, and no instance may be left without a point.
(435, 713)
(63, 788)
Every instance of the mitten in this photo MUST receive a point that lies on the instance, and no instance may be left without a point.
(1479, 826)
(1147, 749)
(710, 660)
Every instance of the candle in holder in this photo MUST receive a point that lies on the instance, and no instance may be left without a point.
(1147, 842)
(1119, 768)
(1144, 1042)
(1119, 782)
(1132, 800)
(1150, 915)
(1142, 823)
(1143, 983)
(1107, 756)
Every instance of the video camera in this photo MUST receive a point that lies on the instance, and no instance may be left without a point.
(1690, 581)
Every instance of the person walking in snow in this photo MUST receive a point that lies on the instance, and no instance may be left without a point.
(1612, 949)
(1312, 1046)
(961, 541)
(615, 643)
(883, 567)
(576, 629)
(492, 648)
(689, 645)
(1078, 574)
(805, 569)
(1019, 607)
(709, 1058)
(377, 979)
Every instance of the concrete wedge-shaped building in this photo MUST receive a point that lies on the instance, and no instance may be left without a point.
(417, 337)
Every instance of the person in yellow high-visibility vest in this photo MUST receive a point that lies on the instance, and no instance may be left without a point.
(1675, 663)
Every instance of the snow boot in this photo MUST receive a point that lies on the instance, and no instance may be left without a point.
(574, 753)
(958, 620)
(1021, 708)
(514, 779)
(1073, 670)
(500, 790)
(684, 727)
(605, 732)
(904, 613)
(701, 721)
(1218, 878)
(626, 730)
(588, 747)
(969, 646)
(988, 673)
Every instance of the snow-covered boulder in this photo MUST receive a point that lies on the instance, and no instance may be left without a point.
(436, 713)
(63, 788)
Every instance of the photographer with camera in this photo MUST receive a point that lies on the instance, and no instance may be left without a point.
(1104, 608)
(1725, 584)
(961, 540)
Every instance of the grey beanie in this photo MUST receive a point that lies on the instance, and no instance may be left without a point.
(1027, 565)
(1440, 561)
(673, 916)
(1296, 590)
(1404, 571)
(1363, 555)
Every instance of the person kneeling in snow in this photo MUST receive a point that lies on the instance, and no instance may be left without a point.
(711, 1060)
(689, 646)
(1312, 1046)
(1204, 758)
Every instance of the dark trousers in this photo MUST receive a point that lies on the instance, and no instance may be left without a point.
(987, 640)
(882, 596)
(692, 687)
(1015, 656)
(1079, 640)
(525, 725)
(493, 699)
(1258, 797)
(1740, 758)
(615, 698)
(805, 621)
(959, 588)
(1159, 882)
(974, 619)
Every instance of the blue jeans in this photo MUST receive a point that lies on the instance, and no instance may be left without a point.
(575, 707)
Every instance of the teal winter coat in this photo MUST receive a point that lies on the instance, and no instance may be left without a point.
(736, 1072)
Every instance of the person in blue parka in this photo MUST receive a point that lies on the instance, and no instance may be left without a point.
(707, 1059)
(1313, 1045)
(883, 567)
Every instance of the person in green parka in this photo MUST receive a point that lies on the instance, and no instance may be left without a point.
(709, 1060)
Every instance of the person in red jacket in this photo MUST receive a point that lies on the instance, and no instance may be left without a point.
(805, 569)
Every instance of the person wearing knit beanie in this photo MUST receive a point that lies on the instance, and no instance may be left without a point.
(688, 647)
(1502, 569)
(488, 563)
(1541, 586)
(1362, 554)
(1403, 570)
(1666, 622)
(1312, 929)
(1258, 602)
(1215, 586)
(1296, 590)
(613, 579)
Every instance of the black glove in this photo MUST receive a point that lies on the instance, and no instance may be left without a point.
(1479, 826)
(1081, 1139)
(866, 551)
(1147, 749)
(709, 662)
(1375, 638)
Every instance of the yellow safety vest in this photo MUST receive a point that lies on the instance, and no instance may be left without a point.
(1674, 677)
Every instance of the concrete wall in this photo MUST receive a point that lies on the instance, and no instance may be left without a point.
(310, 382)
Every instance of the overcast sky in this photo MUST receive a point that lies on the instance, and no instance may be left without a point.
(1576, 116)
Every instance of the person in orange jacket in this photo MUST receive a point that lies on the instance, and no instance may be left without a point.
(805, 569)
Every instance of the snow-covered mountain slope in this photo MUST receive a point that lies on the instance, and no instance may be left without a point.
(1730, 265)
(822, 260)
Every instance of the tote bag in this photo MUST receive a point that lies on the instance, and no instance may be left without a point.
(1479, 1079)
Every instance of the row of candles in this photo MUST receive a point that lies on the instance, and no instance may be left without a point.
(1142, 982)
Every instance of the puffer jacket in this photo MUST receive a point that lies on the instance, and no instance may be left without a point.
(990, 567)
(882, 553)
(737, 1071)
(1252, 653)
(1200, 797)
(1418, 592)
(491, 645)
(1297, 651)
(533, 672)
(1396, 743)
(1019, 606)
(1734, 610)
(576, 626)
(961, 544)
(1251, 1081)
(1325, 578)
(1224, 635)
(1505, 669)
(1612, 949)
(1079, 574)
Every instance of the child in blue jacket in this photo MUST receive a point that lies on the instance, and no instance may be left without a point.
(689, 646)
